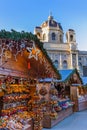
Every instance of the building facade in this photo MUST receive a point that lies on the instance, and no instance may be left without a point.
(65, 55)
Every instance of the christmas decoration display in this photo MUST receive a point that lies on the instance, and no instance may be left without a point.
(53, 101)
(43, 91)
(18, 106)
(19, 121)
(37, 111)
(14, 113)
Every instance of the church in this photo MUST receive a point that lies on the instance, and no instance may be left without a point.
(64, 55)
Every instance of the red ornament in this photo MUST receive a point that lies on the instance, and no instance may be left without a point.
(29, 65)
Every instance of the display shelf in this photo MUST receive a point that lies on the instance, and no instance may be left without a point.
(79, 97)
(15, 99)
(48, 122)
(11, 107)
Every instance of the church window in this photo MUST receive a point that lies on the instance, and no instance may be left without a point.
(53, 36)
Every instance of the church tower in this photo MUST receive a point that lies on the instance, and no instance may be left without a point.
(71, 40)
(50, 31)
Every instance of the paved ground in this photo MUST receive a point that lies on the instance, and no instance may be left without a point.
(77, 121)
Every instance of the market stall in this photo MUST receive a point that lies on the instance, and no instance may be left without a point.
(55, 108)
(79, 94)
(22, 62)
(58, 102)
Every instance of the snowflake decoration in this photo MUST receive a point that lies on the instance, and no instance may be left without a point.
(33, 52)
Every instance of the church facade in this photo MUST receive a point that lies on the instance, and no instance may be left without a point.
(65, 55)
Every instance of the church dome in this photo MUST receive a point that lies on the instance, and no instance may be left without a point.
(51, 23)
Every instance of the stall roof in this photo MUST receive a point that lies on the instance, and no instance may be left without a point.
(25, 53)
(66, 74)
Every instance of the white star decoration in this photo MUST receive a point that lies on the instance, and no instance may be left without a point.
(33, 52)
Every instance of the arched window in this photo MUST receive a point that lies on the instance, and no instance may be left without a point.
(53, 36)
(71, 37)
(44, 36)
(65, 65)
(80, 66)
(56, 63)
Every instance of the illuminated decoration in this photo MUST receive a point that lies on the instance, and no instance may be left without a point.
(9, 48)
(7, 54)
(43, 61)
(33, 51)
(3, 49)
(18, 48)
(17, 42)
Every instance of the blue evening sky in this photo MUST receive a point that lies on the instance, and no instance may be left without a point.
(26, 14)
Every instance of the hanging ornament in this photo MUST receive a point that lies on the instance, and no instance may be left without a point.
(33, 51)
(29, 65)
(43, 91)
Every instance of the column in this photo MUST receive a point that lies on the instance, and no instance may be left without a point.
(71, 66)
(77, 61)
(60, 61)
